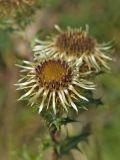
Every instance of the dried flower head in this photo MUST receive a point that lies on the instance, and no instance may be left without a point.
(52, 83)
(17, 2)
(77, 45)
(10, 7)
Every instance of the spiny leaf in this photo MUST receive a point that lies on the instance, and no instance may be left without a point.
(72, 142)
(67, 120)
(56, 121)
(93, 102)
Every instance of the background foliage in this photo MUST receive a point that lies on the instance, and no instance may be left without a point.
(20, 128)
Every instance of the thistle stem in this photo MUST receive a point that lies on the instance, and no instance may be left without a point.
(55, 136)
(54, 132)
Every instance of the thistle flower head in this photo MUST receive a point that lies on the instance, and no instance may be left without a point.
(53, 83)
(15, 3)
(10, 7)
(77, 45)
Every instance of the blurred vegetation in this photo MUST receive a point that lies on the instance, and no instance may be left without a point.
(20, 128)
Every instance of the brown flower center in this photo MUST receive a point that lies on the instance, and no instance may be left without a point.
(75, 43)
(53, 74)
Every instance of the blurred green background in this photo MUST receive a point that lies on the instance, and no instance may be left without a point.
(20, 128)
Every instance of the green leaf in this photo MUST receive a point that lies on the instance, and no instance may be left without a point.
(72, 142)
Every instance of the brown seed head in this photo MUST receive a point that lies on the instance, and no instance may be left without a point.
(17, 2)
(75, 43)
(8, 8)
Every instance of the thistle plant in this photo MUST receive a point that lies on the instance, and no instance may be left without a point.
(57, 81)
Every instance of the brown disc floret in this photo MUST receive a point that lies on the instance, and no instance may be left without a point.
(53, 74)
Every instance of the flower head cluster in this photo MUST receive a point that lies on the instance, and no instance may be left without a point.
(54, 80)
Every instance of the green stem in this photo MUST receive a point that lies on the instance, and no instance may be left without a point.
(54, 132)
(55, 136)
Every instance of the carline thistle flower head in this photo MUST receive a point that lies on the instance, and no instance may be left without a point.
(15, 3)
(10, 7)
(75, 45)
(52, 84)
